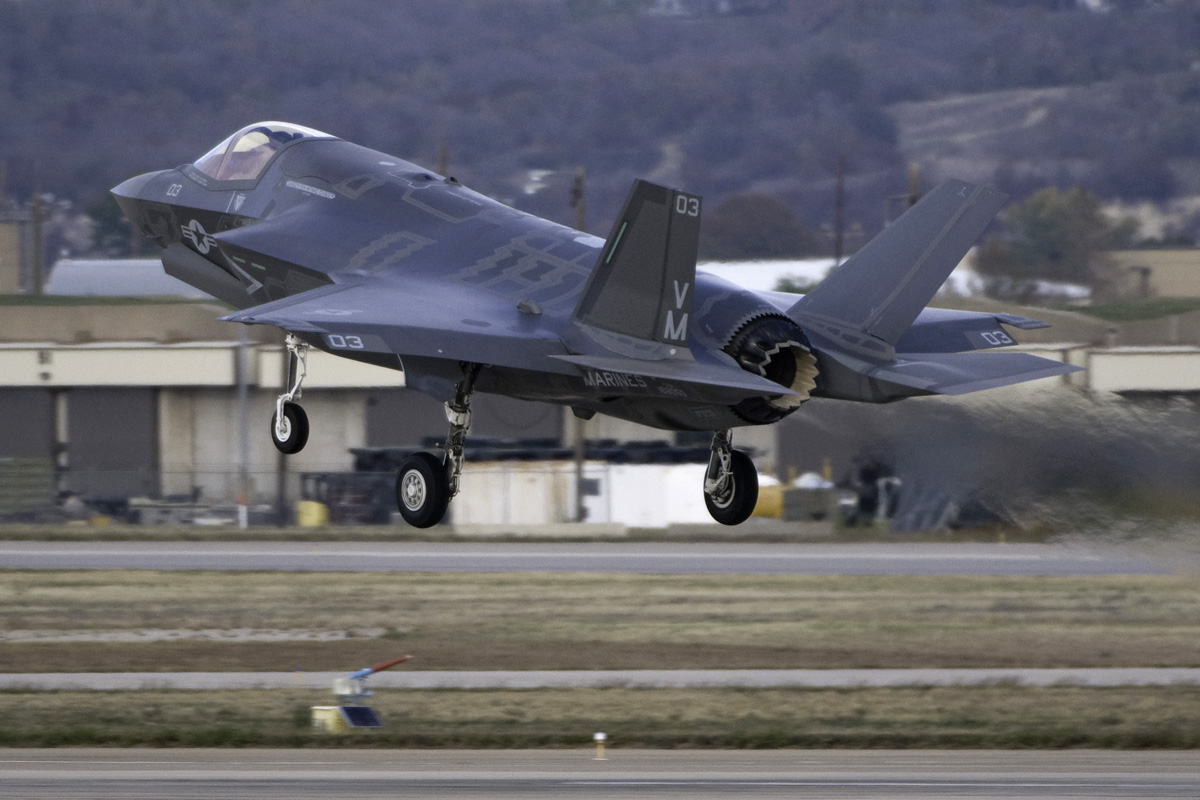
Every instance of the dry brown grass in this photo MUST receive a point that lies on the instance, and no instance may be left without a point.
(546, 621)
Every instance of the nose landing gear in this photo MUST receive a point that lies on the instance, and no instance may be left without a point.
(731, 483)
(289, 426)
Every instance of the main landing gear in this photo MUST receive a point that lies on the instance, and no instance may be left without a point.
(731, 483)
(289, 426)
(427, 483)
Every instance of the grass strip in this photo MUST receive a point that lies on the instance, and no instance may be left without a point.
(996, 716)
(1133, 310)
(595, 621)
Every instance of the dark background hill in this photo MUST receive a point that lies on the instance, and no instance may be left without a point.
(722, 99)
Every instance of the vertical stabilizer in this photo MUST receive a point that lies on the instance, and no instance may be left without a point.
(882, 288)
(638, 298)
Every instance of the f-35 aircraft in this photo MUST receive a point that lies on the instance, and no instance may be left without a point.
(370, 257)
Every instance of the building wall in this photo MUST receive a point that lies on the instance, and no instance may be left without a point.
(177, 441)
(11, 256)
(1173, 273)
(1135, 369)
(201, 453)
(540, 493)
(101, 322)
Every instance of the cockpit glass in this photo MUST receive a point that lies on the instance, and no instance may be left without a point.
(246, 154)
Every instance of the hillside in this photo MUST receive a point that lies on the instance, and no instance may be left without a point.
(521, 92)
(1135, 138)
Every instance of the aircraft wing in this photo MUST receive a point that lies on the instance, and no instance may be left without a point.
(382, 316)
(368, 317)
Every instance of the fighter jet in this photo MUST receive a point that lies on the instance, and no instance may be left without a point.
(370, 257)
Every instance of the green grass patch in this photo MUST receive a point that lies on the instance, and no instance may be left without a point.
(597, 621)
(1133, 310)
(949, 717)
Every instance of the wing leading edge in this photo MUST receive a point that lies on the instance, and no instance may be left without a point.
(380, 318)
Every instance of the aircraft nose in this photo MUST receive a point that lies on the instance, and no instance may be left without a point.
(133, 187)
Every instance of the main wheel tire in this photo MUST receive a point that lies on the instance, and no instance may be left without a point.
(294, 435)
(423, 490)
(738, 504)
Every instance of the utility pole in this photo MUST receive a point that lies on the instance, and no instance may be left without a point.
(578, 200)
(243, 402)
(39, 243)
(914, 183)
(839, 212)
(579, 204)
(903, 201)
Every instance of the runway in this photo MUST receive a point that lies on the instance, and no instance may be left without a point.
(631, 678)
(342, 773)
(640, 557)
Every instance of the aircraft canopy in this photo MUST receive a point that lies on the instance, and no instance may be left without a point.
(245, 154)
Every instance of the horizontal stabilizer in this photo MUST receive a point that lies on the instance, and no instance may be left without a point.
(944, 330)
(642, 284)
(882, 288)
(726, 377)
(960, 373)
(1022, 323)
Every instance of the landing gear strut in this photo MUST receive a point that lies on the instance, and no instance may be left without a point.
(289, 426)
(426, 483)
(731, 483)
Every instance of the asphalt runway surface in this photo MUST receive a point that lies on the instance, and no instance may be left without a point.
(343, 773)
(633, 557)
(632, 678)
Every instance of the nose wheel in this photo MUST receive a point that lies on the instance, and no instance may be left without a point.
(289, 426)
(731, 483)
(289, 432)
